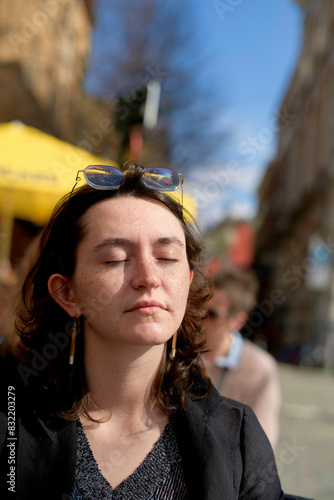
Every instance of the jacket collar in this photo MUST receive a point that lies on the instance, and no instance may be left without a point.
(206, 442)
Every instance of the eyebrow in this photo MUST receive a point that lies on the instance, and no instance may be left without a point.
(169, 241)
(124, 242)
(113, 242)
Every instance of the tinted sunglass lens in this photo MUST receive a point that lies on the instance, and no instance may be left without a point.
(212, 314)
(103, 177)
(162, 179)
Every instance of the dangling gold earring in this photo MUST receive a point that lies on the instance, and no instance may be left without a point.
(174, 345)
(73, 339)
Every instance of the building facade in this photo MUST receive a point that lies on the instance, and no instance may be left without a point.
(295, 221)
(43, 51)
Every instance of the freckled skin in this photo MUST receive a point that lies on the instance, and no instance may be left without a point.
(148, 263)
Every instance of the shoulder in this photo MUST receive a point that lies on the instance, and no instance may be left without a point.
(259, 357)
(223, 441)
(29, 406)
(47, 440)
(220, 414)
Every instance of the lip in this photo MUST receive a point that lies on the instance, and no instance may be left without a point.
(147, 307)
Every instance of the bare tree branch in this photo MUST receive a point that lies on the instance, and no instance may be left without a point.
(143, 39)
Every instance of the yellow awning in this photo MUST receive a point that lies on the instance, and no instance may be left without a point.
(36, 169)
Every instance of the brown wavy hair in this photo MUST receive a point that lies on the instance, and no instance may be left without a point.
(45, 328)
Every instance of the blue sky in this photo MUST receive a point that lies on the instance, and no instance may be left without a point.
(250, 49)
(253, 46)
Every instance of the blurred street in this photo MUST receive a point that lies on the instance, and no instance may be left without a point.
(305, 449)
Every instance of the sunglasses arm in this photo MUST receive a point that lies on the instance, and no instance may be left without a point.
(77, 179)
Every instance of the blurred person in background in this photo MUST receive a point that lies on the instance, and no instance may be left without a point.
(240, 369)
(114, 399)
(8, 280)
(8, 335)
(10, 292)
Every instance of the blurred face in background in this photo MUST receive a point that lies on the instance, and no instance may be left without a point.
(220, 322)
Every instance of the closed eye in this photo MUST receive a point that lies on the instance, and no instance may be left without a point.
(115, 262)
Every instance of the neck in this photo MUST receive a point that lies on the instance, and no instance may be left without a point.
(120, 380)
(219, 348)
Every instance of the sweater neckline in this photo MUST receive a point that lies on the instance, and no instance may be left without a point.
(144, 480)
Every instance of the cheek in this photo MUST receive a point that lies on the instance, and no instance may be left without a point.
(93, 294)
(181, 285)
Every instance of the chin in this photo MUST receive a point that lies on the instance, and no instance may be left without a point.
(153, 339)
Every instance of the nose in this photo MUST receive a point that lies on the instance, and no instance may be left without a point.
(145, 274)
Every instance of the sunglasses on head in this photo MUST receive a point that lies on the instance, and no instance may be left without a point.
(107, 177)
(212, 314)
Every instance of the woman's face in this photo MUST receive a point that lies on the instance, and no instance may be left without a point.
(132, 277)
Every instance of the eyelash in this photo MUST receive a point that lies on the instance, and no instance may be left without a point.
(115, 262)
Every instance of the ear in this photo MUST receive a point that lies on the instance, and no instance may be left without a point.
(191, 277)
(60, 289)
(238, 321)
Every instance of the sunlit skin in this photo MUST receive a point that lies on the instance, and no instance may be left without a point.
(131, 284)
(132, 276)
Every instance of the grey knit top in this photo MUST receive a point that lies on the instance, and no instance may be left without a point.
(158, 477)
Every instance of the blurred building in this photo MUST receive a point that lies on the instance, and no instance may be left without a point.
(230, 244)
(43, 50)
(295, 223)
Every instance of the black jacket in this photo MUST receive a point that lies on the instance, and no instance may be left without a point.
(225, 453)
